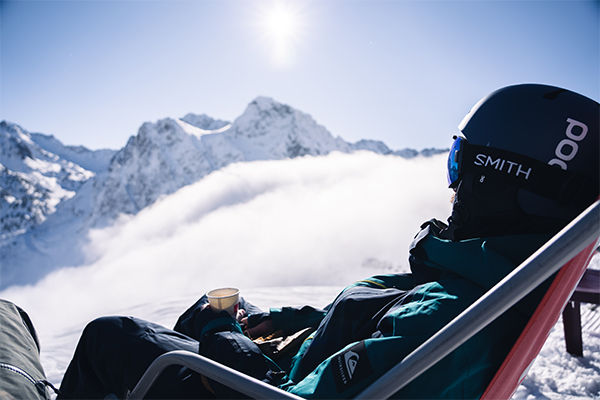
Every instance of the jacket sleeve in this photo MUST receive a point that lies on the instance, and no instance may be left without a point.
(233, 349)
(222, 340)
(293, 319)
(194, 319)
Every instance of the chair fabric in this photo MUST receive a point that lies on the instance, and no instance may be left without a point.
(525, 350)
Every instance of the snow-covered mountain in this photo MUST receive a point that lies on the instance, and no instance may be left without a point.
(37, 172)
(52, 194)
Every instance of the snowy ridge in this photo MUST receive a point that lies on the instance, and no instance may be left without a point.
(172, 153)
(36, 174)
(92, 160)
(53, 194)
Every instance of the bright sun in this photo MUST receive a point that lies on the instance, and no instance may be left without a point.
(282, 24)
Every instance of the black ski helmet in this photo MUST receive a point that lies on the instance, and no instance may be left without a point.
(541, 140)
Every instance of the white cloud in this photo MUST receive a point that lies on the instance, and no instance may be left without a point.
(307, 221)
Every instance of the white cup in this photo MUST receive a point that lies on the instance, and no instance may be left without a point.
(227, 299)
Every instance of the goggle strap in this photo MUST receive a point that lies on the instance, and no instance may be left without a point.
(527, 173)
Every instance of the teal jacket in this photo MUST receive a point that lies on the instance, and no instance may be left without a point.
(414, 308)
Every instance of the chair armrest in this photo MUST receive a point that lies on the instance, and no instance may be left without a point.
(588, 289)
(227, 376)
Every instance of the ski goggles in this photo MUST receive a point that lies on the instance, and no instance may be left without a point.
(568, 188)
(454, 160)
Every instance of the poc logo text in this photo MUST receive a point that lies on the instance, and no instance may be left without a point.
(566, 150)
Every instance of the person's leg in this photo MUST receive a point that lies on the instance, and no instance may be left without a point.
(353, 316)
(114, 352)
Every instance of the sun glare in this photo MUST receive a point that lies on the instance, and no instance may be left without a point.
(281, 23)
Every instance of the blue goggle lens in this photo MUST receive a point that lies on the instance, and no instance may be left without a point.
(454, 160)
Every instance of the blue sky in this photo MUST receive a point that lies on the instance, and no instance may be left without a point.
(404, 72)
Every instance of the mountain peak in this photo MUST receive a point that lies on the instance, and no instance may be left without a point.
(83, 189)
(267, 118)
(205, 122)
(267, 107)
(264, 102)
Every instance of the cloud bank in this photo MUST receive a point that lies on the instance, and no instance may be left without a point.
(311, 221)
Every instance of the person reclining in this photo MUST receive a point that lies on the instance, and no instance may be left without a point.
(525, 164)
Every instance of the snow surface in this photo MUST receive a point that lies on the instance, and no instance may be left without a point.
(287, 232)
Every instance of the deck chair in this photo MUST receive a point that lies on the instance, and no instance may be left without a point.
(530, 342)
(568, 252)
(587, 291)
